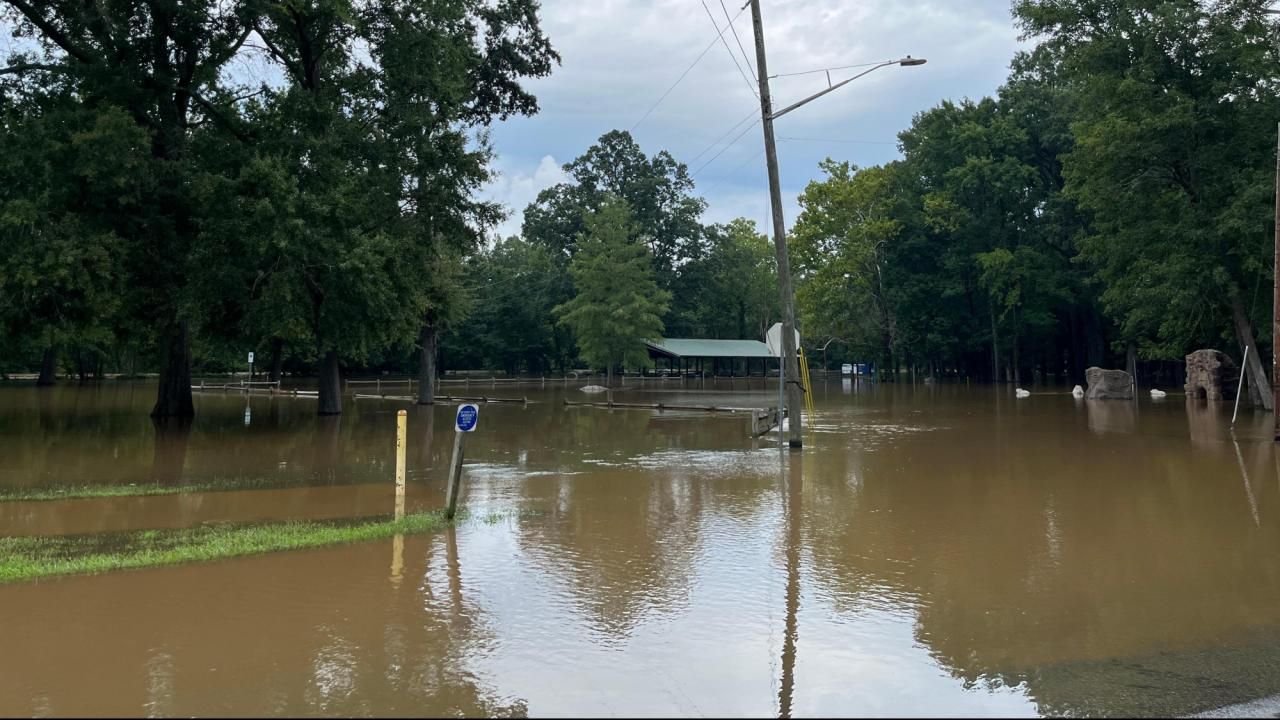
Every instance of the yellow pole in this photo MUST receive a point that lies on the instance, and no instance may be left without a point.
(402, 434)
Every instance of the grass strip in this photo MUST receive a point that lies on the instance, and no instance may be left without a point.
(74, 492)
(29, 558)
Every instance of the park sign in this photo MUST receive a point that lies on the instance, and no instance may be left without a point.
(468, 418)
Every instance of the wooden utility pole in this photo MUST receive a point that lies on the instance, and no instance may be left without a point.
(790, 368)
(1275, 304)
(790, 363)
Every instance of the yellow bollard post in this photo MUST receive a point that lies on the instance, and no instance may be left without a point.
(402, 433)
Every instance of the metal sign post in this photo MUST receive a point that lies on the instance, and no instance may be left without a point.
(467, 419)
(250, 366)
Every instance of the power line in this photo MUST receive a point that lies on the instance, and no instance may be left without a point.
(726, 147)
(738, 40)
(680, 79)
(734, 58)
(753, 113)
(833, 140)
(842, 67)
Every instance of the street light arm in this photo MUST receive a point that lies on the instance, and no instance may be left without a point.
(907, 61)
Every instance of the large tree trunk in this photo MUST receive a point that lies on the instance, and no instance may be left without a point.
(1259, 388)
(330, 385)
(173, 397)
(427, 341)
(277, 359)
(48, 367)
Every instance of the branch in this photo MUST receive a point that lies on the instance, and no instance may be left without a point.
(27, 67)
(217, 114)
(52, 32)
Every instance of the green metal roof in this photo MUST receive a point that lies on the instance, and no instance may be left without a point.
(672, 347)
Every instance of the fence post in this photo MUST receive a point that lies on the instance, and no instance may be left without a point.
(402, 436)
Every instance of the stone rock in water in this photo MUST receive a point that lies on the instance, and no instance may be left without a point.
(1211, 375)
(593, 389)
(1108, 384)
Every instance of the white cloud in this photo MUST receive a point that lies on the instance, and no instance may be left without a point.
(516, 187)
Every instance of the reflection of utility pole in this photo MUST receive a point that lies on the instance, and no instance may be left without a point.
(794, 486)
(790, 368)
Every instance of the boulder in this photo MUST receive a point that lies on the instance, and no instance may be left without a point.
(1211, 375)
(1108, 384)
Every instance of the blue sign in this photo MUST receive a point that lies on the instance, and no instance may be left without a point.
(468, 418)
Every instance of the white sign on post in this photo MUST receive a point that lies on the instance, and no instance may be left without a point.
(773, 338)
(251, 358)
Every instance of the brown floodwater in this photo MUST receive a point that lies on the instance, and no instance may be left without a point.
(934, 550)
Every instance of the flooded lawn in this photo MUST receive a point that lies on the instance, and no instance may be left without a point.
(934, 550)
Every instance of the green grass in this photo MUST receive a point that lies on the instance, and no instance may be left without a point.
(72, 492)
(29, 558)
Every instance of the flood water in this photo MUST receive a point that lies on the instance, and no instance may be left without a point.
(934, 550)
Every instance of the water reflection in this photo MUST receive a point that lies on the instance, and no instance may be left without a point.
(933, 551)
(170, 456)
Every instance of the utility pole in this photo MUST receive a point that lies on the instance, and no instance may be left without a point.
(1275, 303)
(790, 367)
(790, 363)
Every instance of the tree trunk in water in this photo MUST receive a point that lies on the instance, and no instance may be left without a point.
(48, 367)
(330, 385)
(277, 359)
(995, 348)
(173, 397)
(1259, 388)
(427, 340)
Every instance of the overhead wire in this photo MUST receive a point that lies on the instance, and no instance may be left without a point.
(833, 140)
(828, 69)
(730, 144)
(698, 59)
(735, 126)
(734, 58)
(738, 40)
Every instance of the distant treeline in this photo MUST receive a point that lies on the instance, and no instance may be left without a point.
(159, 212)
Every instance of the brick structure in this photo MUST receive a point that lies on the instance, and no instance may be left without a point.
(1211, 375)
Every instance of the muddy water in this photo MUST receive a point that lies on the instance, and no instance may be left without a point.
(933, 550)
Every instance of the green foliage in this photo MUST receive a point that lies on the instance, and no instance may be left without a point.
(1175, 112)
(617, 305)
(328, 214)
(658, 190)
(730, 290)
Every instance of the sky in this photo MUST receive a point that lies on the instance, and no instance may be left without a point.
(618, 57)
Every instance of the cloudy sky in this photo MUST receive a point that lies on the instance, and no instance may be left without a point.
(619, 56)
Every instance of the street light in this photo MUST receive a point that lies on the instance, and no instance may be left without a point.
(907, 61)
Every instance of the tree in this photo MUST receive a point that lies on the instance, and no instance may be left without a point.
(1174, 128)
(848, 225)
(161, 63)
(618, 304)
(63, 168)
(366, 172)
(658, 190)
(731, 290)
